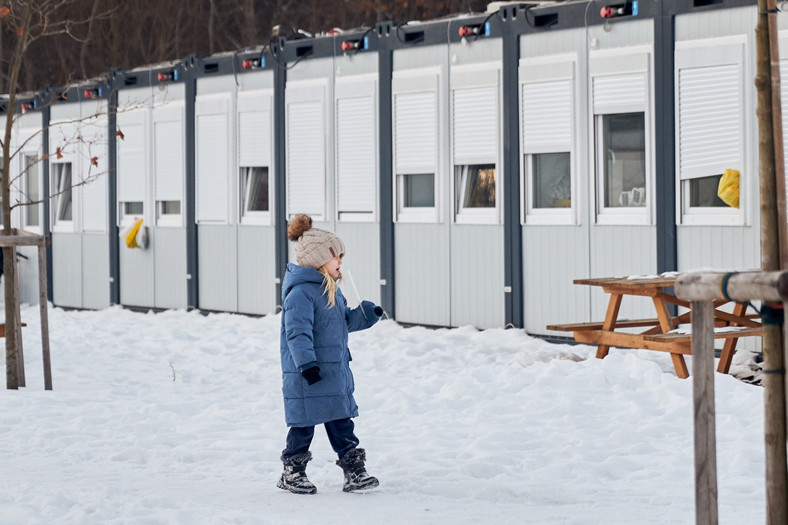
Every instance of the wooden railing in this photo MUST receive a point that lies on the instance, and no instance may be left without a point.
(702, 289)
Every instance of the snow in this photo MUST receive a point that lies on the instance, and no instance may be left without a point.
(177, 417)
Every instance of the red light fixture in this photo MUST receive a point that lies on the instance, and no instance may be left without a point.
(168, 76)
(629, 8)
(251, 63)
(92, 93)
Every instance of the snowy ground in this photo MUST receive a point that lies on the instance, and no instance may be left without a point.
(177, 418)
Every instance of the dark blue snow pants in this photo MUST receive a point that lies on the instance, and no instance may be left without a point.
(340, 434)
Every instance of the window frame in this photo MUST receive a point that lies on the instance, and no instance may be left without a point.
(702, 54)
(28, 208)
(58, 192)
(544, 70)
(464, 79)
(626, 64)
(255, 102)
(424, 81)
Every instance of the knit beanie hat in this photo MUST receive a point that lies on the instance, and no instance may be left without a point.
(313, 247)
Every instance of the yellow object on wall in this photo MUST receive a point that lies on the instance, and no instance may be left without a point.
(728, 189)
(135, 236)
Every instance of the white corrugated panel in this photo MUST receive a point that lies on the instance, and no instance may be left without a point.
(131, 164)
(415, 132)
(305, 158)
(612, 91)
(475, 136)
(212, 168)
(168, 165)
(254, 138)
(356, 154)
(547, 116)
(710, 120)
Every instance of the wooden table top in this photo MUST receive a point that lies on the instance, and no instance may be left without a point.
(627, 282)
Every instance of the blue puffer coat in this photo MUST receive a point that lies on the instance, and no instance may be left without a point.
(313, 334)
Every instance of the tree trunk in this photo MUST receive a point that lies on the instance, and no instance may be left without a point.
(774, 374)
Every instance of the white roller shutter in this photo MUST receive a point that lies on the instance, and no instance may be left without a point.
(254, 138)
(168, 160)
(547, 116)
(415, 132)
(212, 167)
(475, 118)
(131, 170)
(306, 157)
(619, 93)
(356, 154)
(710, 120)
(94, 194)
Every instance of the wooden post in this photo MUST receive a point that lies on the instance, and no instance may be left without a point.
(773, 359)
(42, 303)
(20, 355)
(705, 419)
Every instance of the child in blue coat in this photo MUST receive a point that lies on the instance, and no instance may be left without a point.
(316, 379)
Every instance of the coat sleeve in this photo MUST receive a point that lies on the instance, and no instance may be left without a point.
(363, 316)
(299, 318)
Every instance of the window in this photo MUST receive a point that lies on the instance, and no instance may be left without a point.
(703, 192)
(620, 90)
(415, 155)
(130, 212)
(709, 128)
(32, 191)
(254, 181)
(476, 187)
(61, 184)
(547, 132)
(168, 208)
(418, 191)
(621, 151)
(551, 180)
(475, 150)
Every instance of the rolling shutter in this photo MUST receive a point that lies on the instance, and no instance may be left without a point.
(415, 132)
(356, 154)
(254, 138)
(131, 170)
(306, 157)
(212, 161)
(475, 117)
(710, 119)
(623, 93)
(94, 194)
(547, 116)
(168, 162)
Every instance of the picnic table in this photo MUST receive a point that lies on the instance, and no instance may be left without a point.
(660, 332)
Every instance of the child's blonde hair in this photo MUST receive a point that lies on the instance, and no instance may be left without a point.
(329, 286)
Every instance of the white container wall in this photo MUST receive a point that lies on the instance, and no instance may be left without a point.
(554, 181)
(475, 195)
(78, 186)
(715, 57)
(256, 230)
(27, 167)
(151, 182)
(620, 139)
(422, 186)
(356, 168)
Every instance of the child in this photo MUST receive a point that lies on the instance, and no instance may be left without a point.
(316, 376)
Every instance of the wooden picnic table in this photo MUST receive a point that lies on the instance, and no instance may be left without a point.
(659, 333)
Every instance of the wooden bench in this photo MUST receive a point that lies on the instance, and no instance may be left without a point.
(659, 332)
(2, 329)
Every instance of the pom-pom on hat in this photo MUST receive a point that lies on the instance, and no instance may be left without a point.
(313, 247)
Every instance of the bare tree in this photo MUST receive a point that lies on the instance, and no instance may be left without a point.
(26, 21)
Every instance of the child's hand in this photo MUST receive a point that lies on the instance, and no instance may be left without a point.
(371, 308)
(312, 375)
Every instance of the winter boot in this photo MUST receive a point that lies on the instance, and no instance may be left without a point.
(294, 476)
(356, 477)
